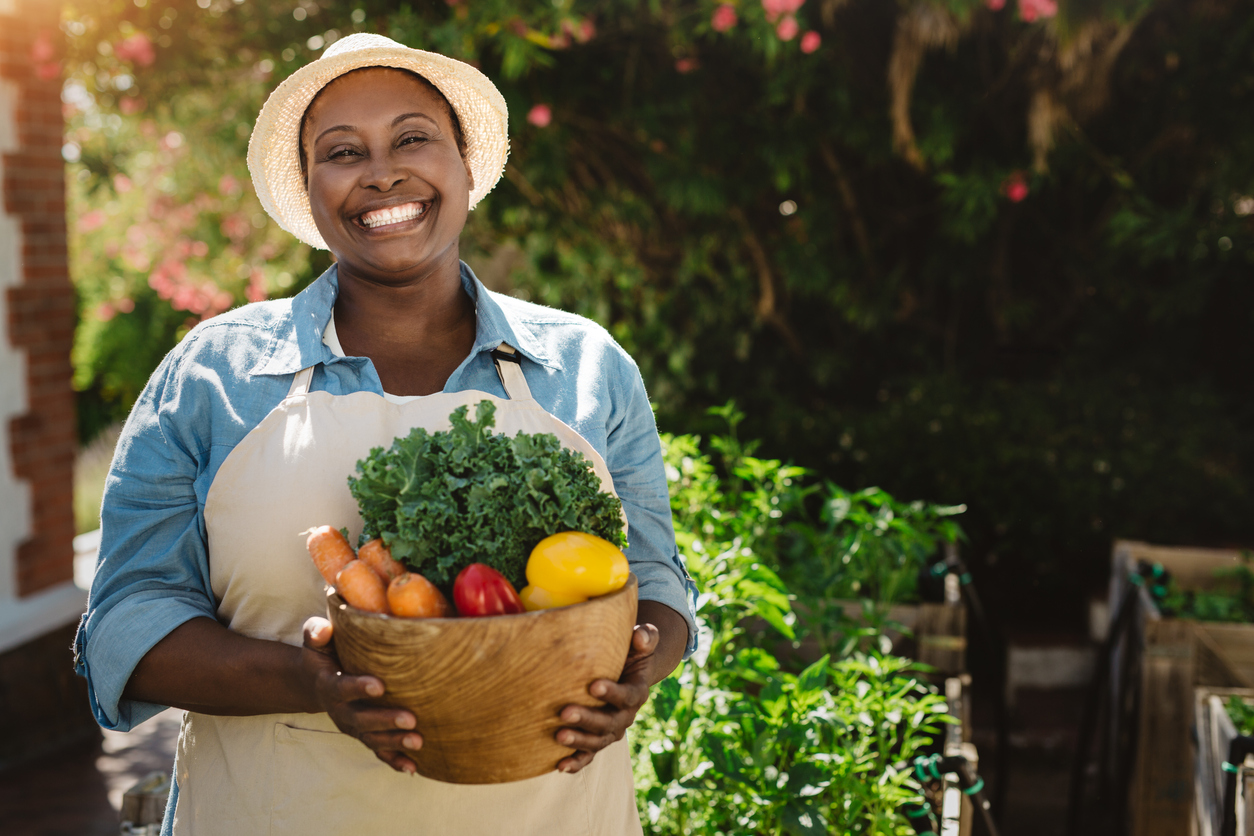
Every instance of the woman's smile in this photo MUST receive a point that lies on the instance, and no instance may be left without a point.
(394, 217)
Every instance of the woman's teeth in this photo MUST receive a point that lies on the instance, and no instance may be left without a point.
(391, 215)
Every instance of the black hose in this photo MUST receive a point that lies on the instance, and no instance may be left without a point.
(1238, 748)
(1092, 702)
(954, 564)
(971, 784)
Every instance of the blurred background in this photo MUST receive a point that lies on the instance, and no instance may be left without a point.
(986, 253)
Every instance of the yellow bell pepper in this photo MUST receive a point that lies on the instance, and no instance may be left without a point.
(537, 598)
(575, 565)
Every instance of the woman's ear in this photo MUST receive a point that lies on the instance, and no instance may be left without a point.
(470, 175)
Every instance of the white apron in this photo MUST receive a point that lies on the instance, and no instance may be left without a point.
(280, 774)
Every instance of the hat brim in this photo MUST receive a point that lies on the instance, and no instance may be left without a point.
(273, 149)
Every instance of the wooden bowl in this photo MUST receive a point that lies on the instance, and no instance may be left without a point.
(487, 691)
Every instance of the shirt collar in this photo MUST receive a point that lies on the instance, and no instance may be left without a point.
(297, 341)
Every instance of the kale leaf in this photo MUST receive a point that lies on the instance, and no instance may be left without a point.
(444, 500)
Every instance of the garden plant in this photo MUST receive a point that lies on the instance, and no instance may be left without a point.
(739, 740)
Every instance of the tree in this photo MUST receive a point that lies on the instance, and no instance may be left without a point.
(978, 252)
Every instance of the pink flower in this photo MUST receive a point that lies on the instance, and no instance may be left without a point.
(256, 290)
(91, 221)
(137, 49)
(199, 249)
(724, 18)
(236, 227)
(1015, 187)
(685, 65)
(130, 105)
(228, 185)
(995, 5)
(540, 115)
(787, 28)
(587, 30)
(42, 51)
(48, 72)
(775, 8)
(125, 304)
(122, 184)
(810, 41)
(105, 312)
(1030, 10)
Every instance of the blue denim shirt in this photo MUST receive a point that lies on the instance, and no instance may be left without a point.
(153, 570)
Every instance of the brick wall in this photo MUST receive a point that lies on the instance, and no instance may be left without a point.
(43, 706)
(40, 307)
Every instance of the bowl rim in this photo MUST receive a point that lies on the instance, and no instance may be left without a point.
(333, 597)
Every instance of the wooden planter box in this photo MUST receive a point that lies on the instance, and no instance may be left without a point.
(957, 812)
(1213, 732)
(1157, 666)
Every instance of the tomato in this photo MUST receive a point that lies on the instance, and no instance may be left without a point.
(481, 590)
(573, 563)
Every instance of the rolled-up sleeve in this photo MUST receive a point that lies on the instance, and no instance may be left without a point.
(152, 571)
(635, 463)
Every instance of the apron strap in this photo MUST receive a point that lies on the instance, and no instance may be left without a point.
(508, 364)
(300, 382)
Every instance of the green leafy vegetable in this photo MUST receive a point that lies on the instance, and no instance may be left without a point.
(444, 500)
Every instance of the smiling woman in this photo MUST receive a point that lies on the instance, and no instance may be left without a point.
(204, 598)
(389, 190)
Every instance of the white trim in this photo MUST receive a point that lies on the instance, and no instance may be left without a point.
(31, 617)
(15, 500)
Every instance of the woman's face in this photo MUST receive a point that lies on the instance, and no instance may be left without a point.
(387, 184)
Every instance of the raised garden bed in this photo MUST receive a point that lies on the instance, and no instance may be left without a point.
(1158, 664)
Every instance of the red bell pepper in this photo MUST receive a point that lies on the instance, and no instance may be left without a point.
(481, 590)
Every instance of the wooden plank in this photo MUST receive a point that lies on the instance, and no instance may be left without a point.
(1245, 798)
(1162, 785)
(941, 637)
(1233, 647)
(1192, 568)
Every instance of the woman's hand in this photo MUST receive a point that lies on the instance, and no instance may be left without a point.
(386, 731)
(653, 654)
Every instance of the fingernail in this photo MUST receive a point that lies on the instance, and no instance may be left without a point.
(404, 722)
(572, 717)
(412, 741)
(374, 689)
(408, 768)
(565, 737)
(598, 690)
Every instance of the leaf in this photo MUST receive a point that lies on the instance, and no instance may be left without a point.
(666, 697)
(803, 820)
(814, 677)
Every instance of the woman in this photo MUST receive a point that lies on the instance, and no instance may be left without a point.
(246, 432)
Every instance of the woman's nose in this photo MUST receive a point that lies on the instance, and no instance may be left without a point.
(383, 173)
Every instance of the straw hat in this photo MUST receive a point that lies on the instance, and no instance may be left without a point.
(273, 150)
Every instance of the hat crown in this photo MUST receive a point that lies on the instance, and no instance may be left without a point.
(360, 41)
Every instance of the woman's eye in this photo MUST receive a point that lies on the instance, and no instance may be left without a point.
(411, 139)
(340, 153)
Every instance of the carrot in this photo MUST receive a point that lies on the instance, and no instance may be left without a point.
(379, 558)
(358, 584)
(329, 550)
(413, 596)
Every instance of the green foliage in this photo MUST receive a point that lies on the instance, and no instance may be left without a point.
(1230, 599)
(1242, 715)
(829, 545)
(736, 743)
(444, 500)
(1074, 363)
